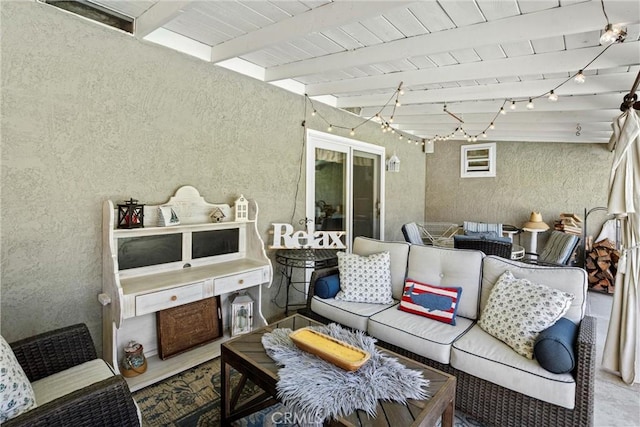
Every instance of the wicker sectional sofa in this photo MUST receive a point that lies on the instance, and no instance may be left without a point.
(495, 385)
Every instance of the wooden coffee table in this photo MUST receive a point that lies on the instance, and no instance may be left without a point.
(247, 356)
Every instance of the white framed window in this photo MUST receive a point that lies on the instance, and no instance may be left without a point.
(478, 160)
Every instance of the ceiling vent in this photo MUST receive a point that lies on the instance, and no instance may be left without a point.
(95, 13)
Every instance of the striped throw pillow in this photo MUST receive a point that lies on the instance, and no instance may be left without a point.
(435, 302)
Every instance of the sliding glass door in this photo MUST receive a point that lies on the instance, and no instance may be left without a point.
(345, 188)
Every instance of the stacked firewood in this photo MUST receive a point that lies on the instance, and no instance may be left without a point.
(601, 264)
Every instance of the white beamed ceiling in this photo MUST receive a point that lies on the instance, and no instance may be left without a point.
(472, 55)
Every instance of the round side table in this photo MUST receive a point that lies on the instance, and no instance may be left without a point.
(302, 259)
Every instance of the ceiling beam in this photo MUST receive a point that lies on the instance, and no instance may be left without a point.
(315, 20)
(586, 16)
(517, 90)
(544, 63)
(158, 15)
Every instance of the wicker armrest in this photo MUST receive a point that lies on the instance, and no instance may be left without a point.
(585, 371)
(317, 274)
(106, 403)
(54, 351)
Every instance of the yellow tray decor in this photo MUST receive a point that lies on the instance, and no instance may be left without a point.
(341, 354)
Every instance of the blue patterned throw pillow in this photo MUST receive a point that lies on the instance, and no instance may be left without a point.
(16, 393)
(518, 310)
(365, 278)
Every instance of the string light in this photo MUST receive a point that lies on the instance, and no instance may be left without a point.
(386, 127)
(530, 105)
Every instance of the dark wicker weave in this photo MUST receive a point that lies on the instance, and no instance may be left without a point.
(106, 403)
(488, 246)
(494, 405)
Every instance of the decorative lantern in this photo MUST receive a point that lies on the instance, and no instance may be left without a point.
(242, 209)
(393, 164)
(131, 214)
(241, 314)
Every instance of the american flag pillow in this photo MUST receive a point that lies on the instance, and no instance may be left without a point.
(435, 302)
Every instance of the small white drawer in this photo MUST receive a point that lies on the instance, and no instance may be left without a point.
(223, 285)
(161, 300)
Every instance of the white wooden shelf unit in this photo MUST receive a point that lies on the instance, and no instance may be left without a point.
(149, 269)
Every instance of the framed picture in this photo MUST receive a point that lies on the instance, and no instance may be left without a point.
(241, 314)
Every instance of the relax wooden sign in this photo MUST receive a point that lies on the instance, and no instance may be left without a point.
(284, 237)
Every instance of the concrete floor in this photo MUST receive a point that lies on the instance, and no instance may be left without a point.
(616, 403)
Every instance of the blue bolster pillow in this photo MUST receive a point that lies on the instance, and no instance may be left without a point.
(554, 347)
(328, 286)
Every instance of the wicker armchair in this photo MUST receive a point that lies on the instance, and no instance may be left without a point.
(105, 403)
(500, 247)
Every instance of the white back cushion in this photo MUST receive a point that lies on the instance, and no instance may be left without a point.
(567, 279)
(398, 253)
(449, 267)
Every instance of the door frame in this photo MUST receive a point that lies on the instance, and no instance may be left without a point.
(316, 139)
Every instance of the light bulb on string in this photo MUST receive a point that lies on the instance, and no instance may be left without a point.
(484, 134)
(330, 128)
(502, 111)
(579, 78)
(552, 96)
(353, 132)
(313, 113)
(391, 119)
(513, 105)
(530, 105)
(492, 126)
(612, 33)
(398, 103)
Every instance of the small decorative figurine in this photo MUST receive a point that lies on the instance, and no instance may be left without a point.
(242, 209)
(217, 215)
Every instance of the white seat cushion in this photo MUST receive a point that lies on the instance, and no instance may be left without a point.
(481, 355)
(62, 383)
(351, 314)
(426, 337)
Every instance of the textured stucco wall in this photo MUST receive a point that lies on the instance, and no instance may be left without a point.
(90, 114)
(547, 177)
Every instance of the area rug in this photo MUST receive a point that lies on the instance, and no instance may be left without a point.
(317, 390)
(192, 399)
